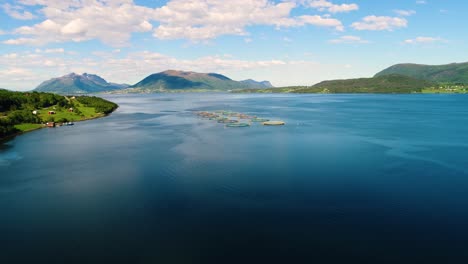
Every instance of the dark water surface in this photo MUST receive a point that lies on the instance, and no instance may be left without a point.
(350, 178)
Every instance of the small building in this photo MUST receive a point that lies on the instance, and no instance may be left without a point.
(51, 112)
(70, 109)
(34, 112)
(50, 124)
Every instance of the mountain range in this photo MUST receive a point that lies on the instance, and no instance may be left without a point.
(399, 78)
(170, 80)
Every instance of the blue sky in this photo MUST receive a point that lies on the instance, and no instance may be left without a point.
(290, 42)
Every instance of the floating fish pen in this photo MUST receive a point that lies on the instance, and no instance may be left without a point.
(259, 120)
(238, 125)
(227, 121)
(223, 117)
(274, 123)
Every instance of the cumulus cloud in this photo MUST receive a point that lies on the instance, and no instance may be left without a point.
(18, 12)
(113, 21)
(16, 74)
(322, 22)
(423, 40)
(349, 40)
(207, 19)
(379, 23)
(404, 12)
(323, 5)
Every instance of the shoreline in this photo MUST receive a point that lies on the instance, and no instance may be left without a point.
(12, 136)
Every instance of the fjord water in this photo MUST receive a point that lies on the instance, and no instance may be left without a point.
(370, 178)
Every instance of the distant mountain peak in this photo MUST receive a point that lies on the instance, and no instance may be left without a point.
(74, 83)
(262, 84)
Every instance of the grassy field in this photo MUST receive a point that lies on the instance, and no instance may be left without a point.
(63, 114)
(28, 127)
(447, 90)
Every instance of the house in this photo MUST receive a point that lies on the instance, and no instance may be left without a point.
(50, 124)
(70, 109)
(51, 112)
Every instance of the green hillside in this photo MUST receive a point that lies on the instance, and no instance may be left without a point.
(17, 110)
(191, 81)
(449, 73)
(383, 84)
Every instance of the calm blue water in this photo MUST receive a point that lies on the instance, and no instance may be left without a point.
(369, 178)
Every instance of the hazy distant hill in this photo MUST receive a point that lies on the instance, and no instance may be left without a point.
(254, 84)
(383, 84)
(78, 84)
(449, 73)
(183, 80)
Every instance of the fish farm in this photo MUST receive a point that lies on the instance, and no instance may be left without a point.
(234, 119)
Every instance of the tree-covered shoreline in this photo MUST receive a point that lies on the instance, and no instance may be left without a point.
(24, 111)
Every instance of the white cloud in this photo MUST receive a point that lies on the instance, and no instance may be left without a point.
(323, 5)
(421, 2)
(322, 22)
(349, 40)
(10, 56)
(380, 23)
(113, 21)
(20, 41)
(16, 74)
(404, 12)
(58, 50)
(17, 12)
(2, 32)
(423, 40)
(207, 19)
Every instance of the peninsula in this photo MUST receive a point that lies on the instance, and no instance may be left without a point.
(26, 111)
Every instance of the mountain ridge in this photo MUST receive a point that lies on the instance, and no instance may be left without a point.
(174, 80)
(444, 73)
